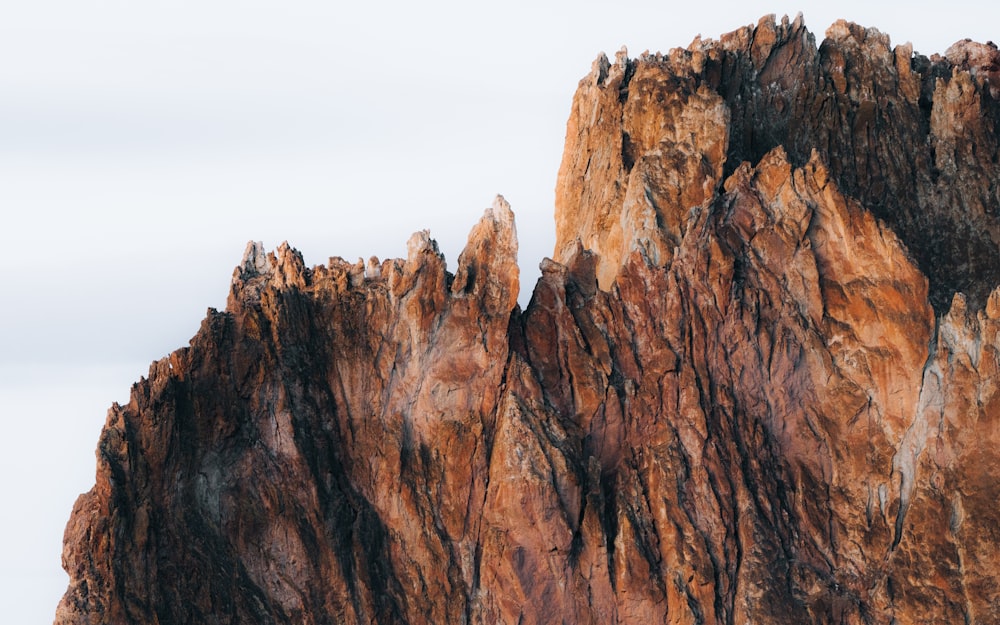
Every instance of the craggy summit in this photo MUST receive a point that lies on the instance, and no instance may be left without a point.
(758, 383)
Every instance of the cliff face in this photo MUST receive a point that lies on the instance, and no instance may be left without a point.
(913, 139)
(745, 391)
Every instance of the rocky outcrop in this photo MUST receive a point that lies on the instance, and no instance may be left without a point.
(913, 139)
(758, 383)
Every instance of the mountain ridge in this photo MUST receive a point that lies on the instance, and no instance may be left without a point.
(735, 396)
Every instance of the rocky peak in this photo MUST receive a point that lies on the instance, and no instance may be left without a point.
(898, 132)
(757, 384)
(487, 268)
(982, 61)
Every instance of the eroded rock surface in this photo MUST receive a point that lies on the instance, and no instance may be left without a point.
(914, 139)
(757, 385)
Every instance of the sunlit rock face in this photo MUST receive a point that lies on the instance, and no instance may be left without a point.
(758, 383)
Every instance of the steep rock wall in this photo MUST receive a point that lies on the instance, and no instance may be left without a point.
(914, 139)
(730, 399)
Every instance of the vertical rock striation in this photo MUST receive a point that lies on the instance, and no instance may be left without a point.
(758, 383)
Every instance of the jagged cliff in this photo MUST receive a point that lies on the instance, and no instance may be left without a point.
(758, 383)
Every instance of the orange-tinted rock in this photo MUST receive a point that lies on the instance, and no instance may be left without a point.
(745, 391)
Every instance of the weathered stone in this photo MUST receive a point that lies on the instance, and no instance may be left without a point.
(758, 383)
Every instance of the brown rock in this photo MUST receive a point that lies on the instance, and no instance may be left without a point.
(757, 385)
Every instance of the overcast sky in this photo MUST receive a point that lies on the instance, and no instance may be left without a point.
(142, 144)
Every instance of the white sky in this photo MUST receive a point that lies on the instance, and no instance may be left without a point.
(142, 144)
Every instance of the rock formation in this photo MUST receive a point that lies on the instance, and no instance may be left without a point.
(758, 383)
